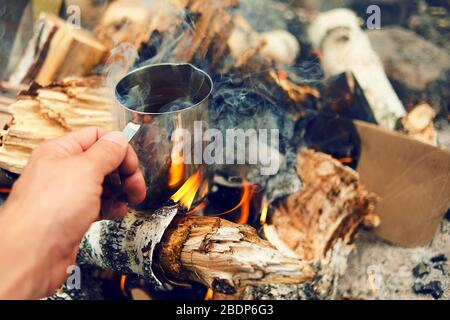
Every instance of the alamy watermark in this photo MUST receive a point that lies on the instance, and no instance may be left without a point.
(374, 20)
(73, 13)
(233, 146)
(73, 281)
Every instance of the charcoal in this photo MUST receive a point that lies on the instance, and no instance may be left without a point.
(433, 288)
(439, 258)
(436, 287)
(329, 134)
(342, 94)
(441, 268)
(421, 270)
(438, 263)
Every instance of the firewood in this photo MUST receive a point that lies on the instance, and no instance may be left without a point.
(281, 48)
(27, 129)
(5, 102)
(277, 47)
(75, 104)
(242, 37)
(213, 27)
(134, 21)
(222, 255)
(316, 225)
(12, 88)
(418, 123)
(57, 50)
(328, 209)
(345, 47)
(295, 92)
(43, 113)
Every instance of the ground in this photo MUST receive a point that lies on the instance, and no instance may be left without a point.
(379, 270)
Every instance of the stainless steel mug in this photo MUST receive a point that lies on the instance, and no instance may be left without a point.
(164, 100)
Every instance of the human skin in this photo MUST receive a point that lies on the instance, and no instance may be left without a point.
(57, 197)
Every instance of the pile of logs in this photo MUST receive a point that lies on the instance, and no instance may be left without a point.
(309, 234)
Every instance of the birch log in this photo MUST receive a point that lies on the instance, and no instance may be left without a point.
(345, 47)
(222, 255)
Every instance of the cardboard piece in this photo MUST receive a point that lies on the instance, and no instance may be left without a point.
(412, 179)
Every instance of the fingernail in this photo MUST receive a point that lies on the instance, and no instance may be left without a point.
(116, 137)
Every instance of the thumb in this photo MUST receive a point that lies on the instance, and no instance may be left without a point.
(108, 152)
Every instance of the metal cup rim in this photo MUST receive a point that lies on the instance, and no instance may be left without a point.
(117, 97)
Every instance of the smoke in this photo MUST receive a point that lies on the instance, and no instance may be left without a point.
(119, 63)
(243, 102)
(235, 105)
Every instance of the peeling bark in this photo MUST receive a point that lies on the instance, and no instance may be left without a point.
(222, 255)
(226, 256)
(127, 246)
(329, 208)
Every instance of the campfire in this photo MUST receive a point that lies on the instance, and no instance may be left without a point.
(318, 111)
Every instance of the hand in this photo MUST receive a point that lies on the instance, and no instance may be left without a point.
(53, 203)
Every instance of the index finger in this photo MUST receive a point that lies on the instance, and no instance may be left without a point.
(79, 141)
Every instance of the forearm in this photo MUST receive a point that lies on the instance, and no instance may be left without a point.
(19, 250)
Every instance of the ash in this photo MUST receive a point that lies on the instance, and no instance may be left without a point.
(235, 107)
(285, 182)
(379, 270)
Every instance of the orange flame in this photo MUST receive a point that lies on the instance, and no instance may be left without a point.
(186, 194)
(282, 74)
(263, 216)
(244, 204)
(205, 189)
(247, 194)
(176, 171)
(123, 280)
(209, 294)
(264, 210)
(198, 208)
